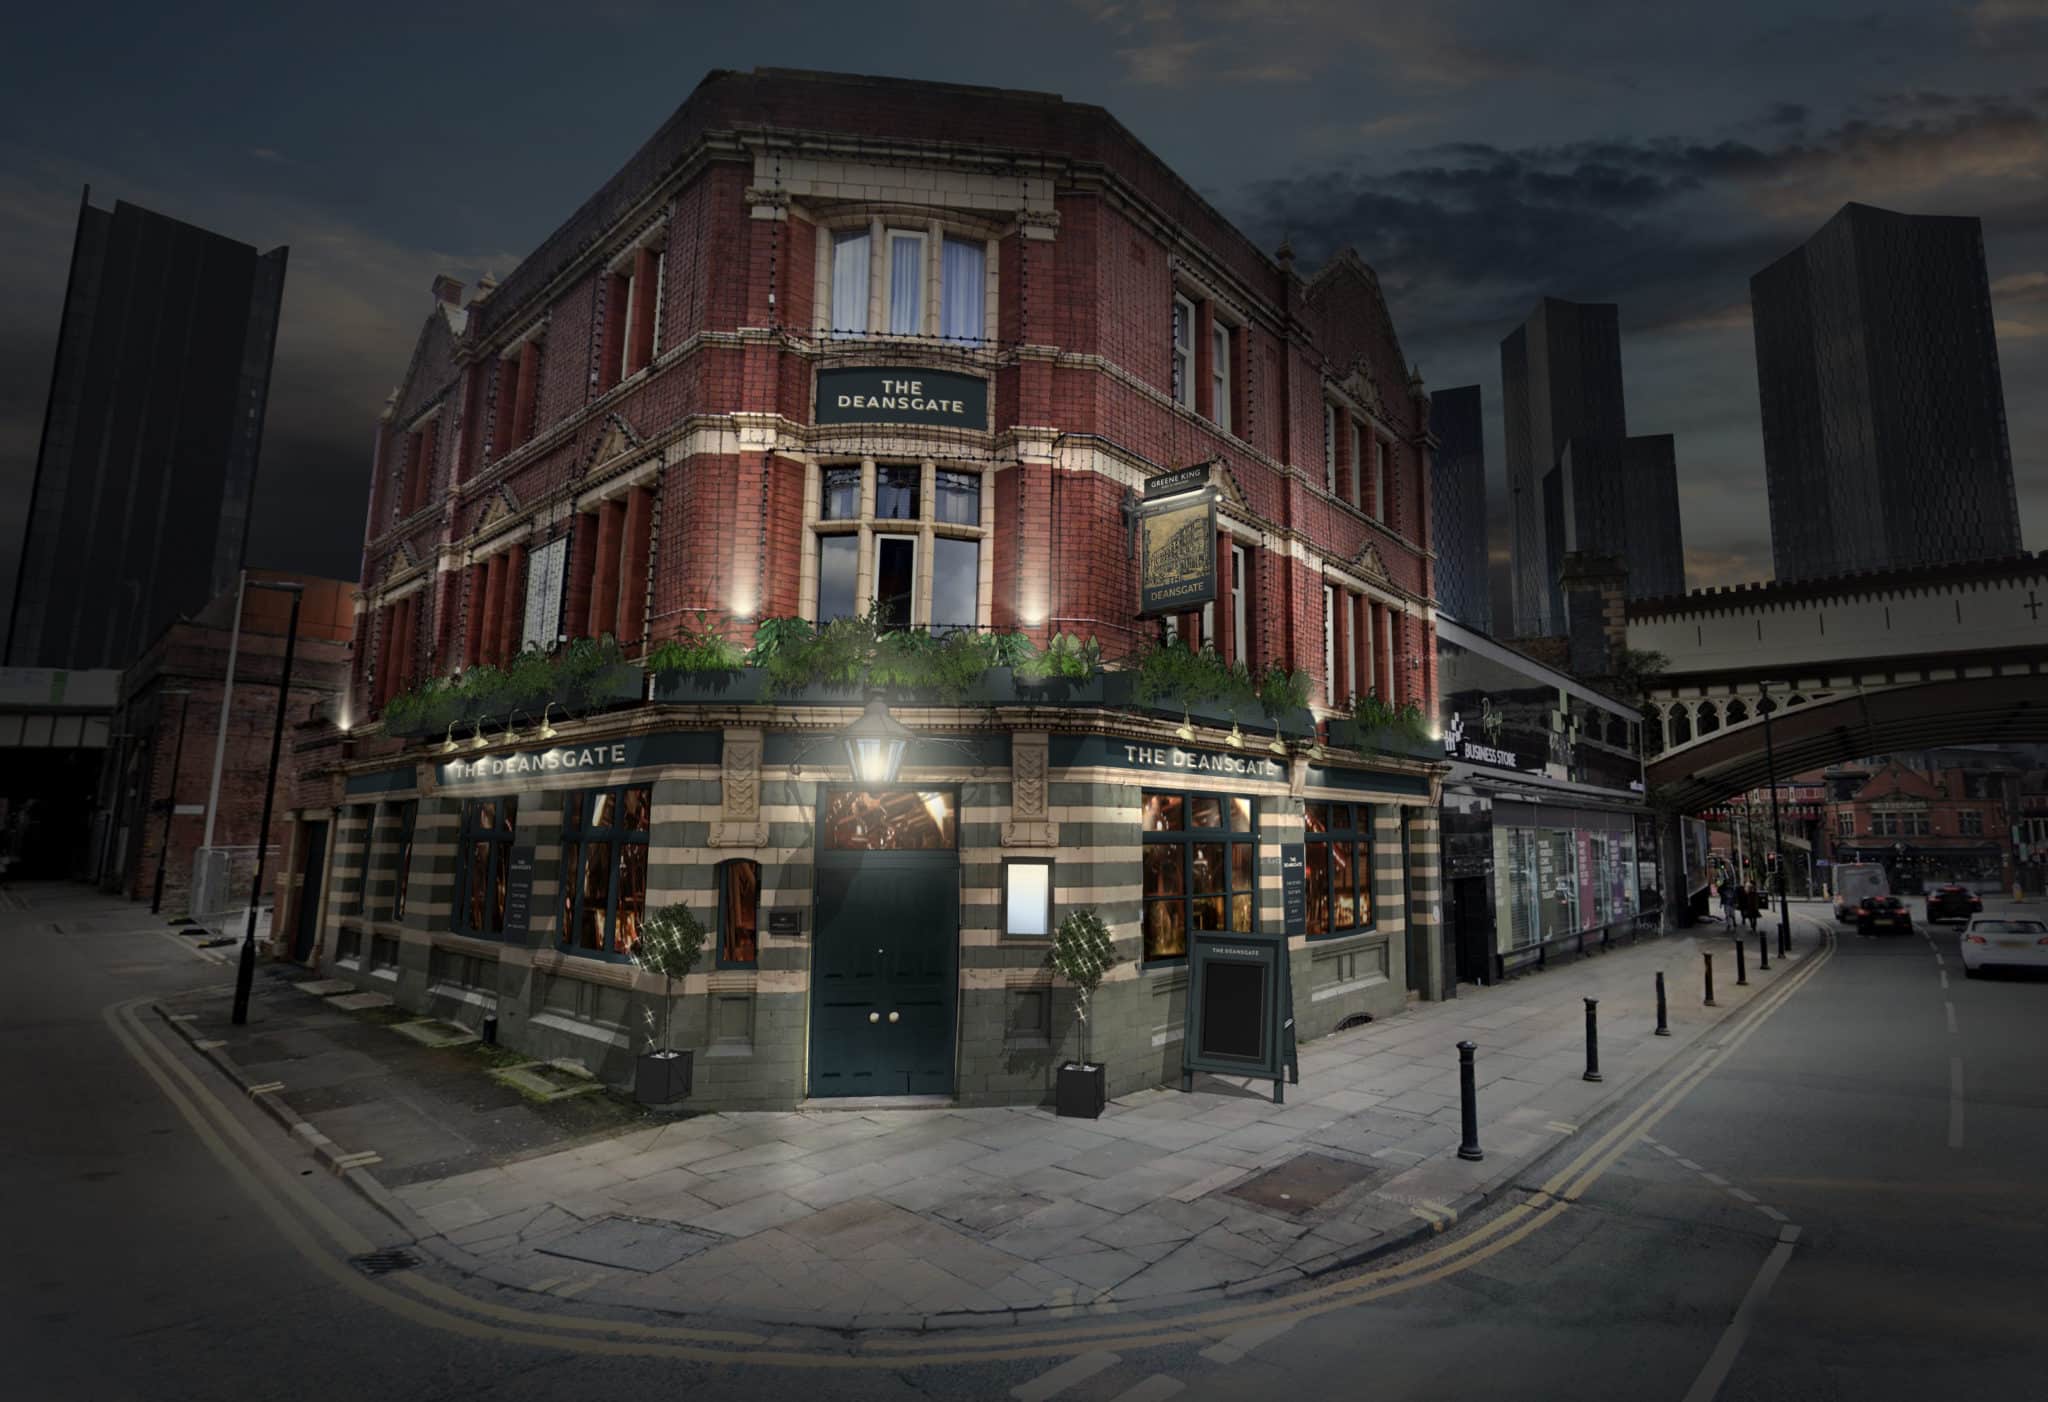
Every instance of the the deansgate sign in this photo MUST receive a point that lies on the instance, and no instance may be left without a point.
(899, 394)
(671, 747)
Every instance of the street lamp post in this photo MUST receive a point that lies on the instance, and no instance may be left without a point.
(245, 973)
(163, 856)
(1777, 831)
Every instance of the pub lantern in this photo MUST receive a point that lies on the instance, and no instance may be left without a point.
(875, 743)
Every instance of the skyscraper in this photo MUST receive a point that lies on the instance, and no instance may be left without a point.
(1883, 413)
(140, 508)
(1572, 469)
(1458, 506)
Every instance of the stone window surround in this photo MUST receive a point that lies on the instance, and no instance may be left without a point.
(935, 225)
(927, 528)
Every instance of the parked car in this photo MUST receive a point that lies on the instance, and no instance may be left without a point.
(1854, 881)
(1886, 913)
(1953, 901)
(1991, 941)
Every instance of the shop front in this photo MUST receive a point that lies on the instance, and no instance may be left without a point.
(866, 940)
(1547, 841)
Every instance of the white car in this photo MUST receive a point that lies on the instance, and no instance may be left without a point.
(2003, 940)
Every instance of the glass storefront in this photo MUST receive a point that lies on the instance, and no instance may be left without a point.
(1554, 880)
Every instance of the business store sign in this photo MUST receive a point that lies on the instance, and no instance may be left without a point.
(901, 394)
(1484, 739)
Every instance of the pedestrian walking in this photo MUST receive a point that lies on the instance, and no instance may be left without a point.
(1728, 903)
(1751, 905)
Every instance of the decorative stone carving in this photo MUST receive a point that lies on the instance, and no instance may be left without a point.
(739, 793)
(1030, 822)
(1370, 562)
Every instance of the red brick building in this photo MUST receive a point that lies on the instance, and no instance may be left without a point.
(828, 343)
(177, 685)
(1926, 827)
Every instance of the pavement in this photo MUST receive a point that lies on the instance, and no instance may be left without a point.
(920, 1219)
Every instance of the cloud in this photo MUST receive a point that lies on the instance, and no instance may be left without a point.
(1735, 563)
(2021, 287)
(264, 153)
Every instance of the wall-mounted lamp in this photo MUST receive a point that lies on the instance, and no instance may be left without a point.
(1236, 737)
(875, 743)
(1185, 731)
(448, 741)
(547, 731)
(477, 741)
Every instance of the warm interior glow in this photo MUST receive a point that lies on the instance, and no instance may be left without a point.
(1030, 907)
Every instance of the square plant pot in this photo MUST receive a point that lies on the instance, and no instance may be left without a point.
(1082, 1091)
(662, 1077)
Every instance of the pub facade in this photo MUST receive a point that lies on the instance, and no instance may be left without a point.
(952, 362)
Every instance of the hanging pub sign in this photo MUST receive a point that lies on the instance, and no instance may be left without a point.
(1178, 482)
(1177, 554)
(1240, 1018)
(901, 394)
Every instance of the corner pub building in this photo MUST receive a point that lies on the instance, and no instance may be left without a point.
(826, 343)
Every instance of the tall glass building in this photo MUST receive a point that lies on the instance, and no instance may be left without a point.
(1883, 413)
(140, 508)
(1459, 506)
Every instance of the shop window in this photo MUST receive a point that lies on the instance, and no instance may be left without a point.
(1183, 352)
(408, 815)
(850, 283)
(484, 853)
(897, 493)
(1339, 877)
(1027, 898)
(739, 914)
(604, 869)
(1201, 857)
(956, 580)
(959, 494)
(890, 820)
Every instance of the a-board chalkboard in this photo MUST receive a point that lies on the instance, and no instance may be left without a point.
(1240, 1008)
(1233, 1010)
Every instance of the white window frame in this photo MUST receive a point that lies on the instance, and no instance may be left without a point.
(916, 569)
(1379, 477)
(1345, 601)
(938, 311)
(890, 234)
(654, 302)
(1240, 571)
(621, 370)
(865, 233)
(1220, 373)
(1329, 448)
(1358, 440)
(1330, 645)
(1183, 385)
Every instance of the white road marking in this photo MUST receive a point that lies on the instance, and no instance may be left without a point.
(1939, 963)
(1716, 1179)
(571, 1291)
(1074, 1370)
(1232, 1347)
(1693, 1166)
(1667, 1151)
(1955, 1102)
(1156, 1388)
(1772, 1213)
(1708, 1384)
(1749, 1198)
(1951, 1017)
(1562, 1127)
(1944, 978)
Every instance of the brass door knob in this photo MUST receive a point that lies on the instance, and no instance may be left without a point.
(874, 1017)
(894, 1016)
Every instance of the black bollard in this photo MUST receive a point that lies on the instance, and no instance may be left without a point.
(1469, 1095)
(1663, 1026)
(1784, 940)
(1763, 952)
(1741, 965)
(1592, 1039)
(1710, 980)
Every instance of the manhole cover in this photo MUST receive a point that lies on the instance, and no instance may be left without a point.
(384, 1262)
(1302, 1184)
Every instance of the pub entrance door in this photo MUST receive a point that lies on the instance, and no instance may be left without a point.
(885, 951)
(310, 870)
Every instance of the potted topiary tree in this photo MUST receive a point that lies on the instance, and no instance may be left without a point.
(1082, 952)
(670, 944)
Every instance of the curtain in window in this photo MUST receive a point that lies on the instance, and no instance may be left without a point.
(906, 285)
(962, 292)
(850, 284)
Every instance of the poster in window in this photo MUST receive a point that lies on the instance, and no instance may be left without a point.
(1177, 557)
(544, 594)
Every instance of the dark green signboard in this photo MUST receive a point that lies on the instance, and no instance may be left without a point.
(1240, 1019)
(1294, 887)
(519, 892)
(1177, 555)
(1172, 484)
(595, 758)
(901, 394)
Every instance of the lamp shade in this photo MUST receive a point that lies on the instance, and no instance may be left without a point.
(875, 744)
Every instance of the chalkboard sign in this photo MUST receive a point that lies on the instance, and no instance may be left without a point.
(1240, 1008)
(1294, 887)
(519, 891)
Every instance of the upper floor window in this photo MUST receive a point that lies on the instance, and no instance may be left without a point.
(963, 287)
(1330, 644)
(906, 282)
(1379, 506)
(1358, 466)
(915, 558)
(1330, 448)
(1972, 822)
(1219, 374)
(632, 332)
(518, 390)
(482, 858)
(422, 446)
(841, 495)
(900, 263)
(604, 868)
(1845, 824)
(1240, 605)
(850, 282)
(1183, 352)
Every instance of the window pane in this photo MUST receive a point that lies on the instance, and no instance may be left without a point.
(499, 873)
(1243, 860)
(1343, 885)
(566, 930)
(1205, 812)
(890, 820)
(1162, 869)
(1162, 812)
(1241, 917)
(1166, 929)
(962, 290)
(838, 563)
(479, 883)
(896, 493)
(1318, 888)
(597, 877)
(850, 283)
(959, 501)
(956, 583)
(508, 816)
(486, 814)
(572, 814)
(1206, 869)
(1030, 899)
(1208, 912)
(906, 284)
(895, 579)
(1316, 817)
(632, 895)
(737, 942)
(1240, 815)
(638, 809)
(841, 494)
(604, 810)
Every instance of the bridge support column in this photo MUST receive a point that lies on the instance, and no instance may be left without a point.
(1677, 913)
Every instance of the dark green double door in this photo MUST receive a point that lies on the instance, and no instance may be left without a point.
(883, 961)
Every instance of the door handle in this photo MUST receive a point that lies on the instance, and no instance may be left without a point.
(894, 1016)
(874, 1017)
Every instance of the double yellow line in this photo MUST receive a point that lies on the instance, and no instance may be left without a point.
(430, 1304)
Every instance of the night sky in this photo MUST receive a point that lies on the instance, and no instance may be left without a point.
(1478, 156)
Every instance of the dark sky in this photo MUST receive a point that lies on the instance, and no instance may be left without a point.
(1477, 155)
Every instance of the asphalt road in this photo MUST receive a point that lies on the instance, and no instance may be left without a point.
(143, 1263)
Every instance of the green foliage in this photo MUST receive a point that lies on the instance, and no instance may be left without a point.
(1282, 691)
(1082, 952)
(856, 652)
(1174, 674)
(1066, 658)
(1014, 650)
(671, 942)
(772, 636)
(701, 649)
(1405, 720)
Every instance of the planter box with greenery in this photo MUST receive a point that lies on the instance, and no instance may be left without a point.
(670, 944)
(1375, 727)
(1172, 679)
(1082, 952)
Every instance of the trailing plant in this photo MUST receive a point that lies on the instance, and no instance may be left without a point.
(1405, 720)
(531, 677)
(670, 944)
(1175, 674)
(1082, 952)
(1065, 657)
(1282, 691)
(772, 636)
(702, 649)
